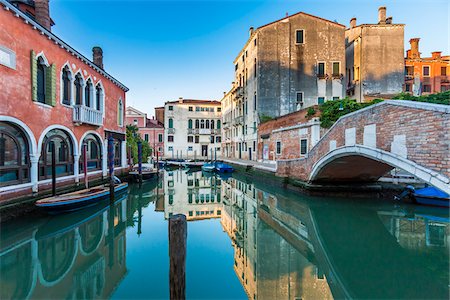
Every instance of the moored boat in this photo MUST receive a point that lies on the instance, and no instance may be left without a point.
(223, 168)
(79, 199)
(208, 167)
(431, 196)
(426, 196)
(148, 172)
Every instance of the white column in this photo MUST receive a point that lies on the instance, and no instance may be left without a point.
(76, 167)
(105, 158)
(124, 154)
(34, 172)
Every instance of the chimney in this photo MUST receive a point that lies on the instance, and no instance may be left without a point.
(180, 100)
(352, 22)
(250, 31)
(389, 20)
(97, 57)
(382, 15)
(42, 13)
(415, 47)
(436, 55)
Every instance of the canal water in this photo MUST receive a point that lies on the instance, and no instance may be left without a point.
(244, 240)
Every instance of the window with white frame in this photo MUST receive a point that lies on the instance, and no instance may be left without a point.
(303, 146)
(66, 86)
(299, 36)
(278, 147)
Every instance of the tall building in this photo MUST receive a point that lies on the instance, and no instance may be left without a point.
(150, 130)
(426, 75)
(374, 58)
(192, 129)
(286, 65)
(52, 95)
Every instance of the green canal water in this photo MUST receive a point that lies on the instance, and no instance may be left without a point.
(244, 240)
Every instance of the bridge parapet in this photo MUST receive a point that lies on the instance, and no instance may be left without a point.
(415, 133)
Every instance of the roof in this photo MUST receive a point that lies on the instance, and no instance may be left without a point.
(287, 17)
(134, 110)
(153, 124)
(193, 101)
(36, 26)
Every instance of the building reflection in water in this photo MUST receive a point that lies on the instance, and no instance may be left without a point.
(80, 255)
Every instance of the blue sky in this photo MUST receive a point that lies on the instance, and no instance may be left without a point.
(163, 50)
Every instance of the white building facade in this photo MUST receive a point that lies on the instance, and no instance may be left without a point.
(192, 129)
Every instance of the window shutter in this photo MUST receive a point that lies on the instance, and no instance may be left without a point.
(33, 76)
(50, 85)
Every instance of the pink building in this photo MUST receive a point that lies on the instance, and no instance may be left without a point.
(150, 130)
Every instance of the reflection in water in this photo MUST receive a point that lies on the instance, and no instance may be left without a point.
(285, 245)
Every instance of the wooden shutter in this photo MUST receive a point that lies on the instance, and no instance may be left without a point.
(33, 76)
(50, 85)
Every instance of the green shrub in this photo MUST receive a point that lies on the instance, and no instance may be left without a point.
(264, 118)
(439, 98)
(311, 112)
(132, 138)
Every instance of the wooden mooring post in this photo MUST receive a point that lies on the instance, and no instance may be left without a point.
(111, 167)
(177, 254)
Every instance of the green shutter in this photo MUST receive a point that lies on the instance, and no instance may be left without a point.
(50, 85)
(33, 76)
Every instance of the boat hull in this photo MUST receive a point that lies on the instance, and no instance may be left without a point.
(75, 201)
(433, 201)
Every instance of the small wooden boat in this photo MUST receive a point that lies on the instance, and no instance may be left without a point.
(224, 168)
(208, 167)
(79, 199)
(426, 196)
(193, 164)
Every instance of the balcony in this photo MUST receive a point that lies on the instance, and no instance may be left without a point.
(215, 131)
(445, 79)
(170, 130)
(86, 115)
(192, 131)
(238, 120)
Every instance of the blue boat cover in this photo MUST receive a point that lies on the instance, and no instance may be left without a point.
(431, 192)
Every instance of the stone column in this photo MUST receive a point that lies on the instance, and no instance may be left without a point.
(105, 158)
(76, 167)
(34, 172)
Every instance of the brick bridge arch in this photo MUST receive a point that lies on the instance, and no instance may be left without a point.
(366, 144)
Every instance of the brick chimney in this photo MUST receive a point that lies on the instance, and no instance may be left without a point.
(42, 13)
(436, 55)
(352, 22)
(97, 57)
(250, 31)
(414, 48)
(382, 15)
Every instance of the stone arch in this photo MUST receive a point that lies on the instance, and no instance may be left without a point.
(44, 58)
(94, 133)
(28, 133)
(61, 127)
(383, 160)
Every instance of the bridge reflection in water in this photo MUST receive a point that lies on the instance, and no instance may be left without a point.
(285, 245)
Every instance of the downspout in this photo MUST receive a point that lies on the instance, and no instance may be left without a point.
(360, 67)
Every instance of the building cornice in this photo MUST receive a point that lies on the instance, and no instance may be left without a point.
(36, 26)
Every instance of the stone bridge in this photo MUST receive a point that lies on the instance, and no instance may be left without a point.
(364, 145)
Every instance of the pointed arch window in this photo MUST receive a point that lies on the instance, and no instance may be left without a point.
(190, 123)
(212, 124)
(41, 80)
(78, 90)
(197, 124)
(170, 123)
(66, 86)
(207, 124)
(88, 94)
(120, 113)
(98, 97)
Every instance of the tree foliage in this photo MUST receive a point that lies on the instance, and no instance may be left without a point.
(132, 139)
(439, 98)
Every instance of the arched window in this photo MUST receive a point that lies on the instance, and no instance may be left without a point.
(41, 80)
(190, 123)
(218, 124)
(202, 124)
(207, 124)
(64, 154)
(197, 124)
(212, 124)
(66, 90)
(78, 89)
(98, 97)
(120, 113)
(93, 153)
(14, 155)
(170, 123)
(88, 94)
